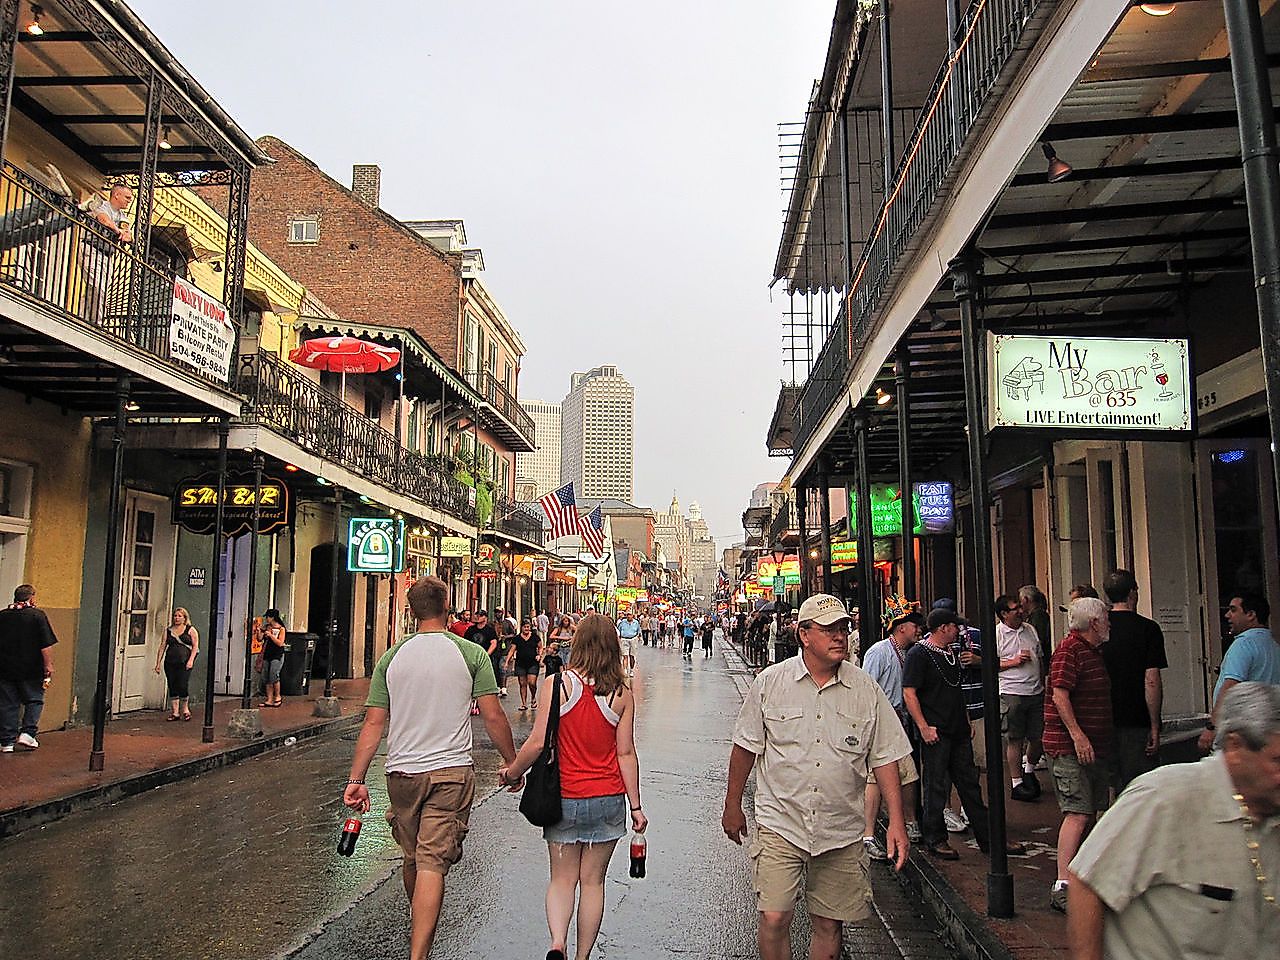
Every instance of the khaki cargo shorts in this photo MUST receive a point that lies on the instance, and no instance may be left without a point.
(907, 772)
(1081, 788)
(429, 814)
(836, 882)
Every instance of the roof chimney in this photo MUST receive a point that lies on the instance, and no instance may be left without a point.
(366, 182)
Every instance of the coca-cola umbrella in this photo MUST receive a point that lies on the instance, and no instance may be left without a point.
(345, 355)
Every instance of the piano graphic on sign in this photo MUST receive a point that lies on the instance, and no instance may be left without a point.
(1018, 382)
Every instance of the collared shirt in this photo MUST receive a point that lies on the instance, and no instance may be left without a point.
(1024, 680)
(1169, 861)
(883, 664)
(1254, 655)
(1079, 669)
(815, 749)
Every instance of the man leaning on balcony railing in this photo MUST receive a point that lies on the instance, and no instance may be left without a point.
(97, 252)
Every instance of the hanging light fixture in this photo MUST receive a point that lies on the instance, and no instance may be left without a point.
(1058, 169)
(883, 398)
(936, 322)
(1157, 9)
(33, 28)
(164, 143)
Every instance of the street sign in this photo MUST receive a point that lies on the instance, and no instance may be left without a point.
(779, 585)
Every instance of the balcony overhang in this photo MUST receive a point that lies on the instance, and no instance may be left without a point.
(782, 426)
(493, 420)
(76, 365)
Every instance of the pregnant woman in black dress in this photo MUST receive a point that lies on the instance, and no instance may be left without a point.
(178, 650)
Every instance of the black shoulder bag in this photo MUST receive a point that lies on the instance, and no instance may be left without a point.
(540, 802)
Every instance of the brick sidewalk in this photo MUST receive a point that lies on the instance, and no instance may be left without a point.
(56, 777)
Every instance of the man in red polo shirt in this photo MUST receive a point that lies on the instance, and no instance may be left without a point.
(1078, 731)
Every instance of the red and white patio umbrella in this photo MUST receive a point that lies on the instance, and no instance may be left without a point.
(345, 355)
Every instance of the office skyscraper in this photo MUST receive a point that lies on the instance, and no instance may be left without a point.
(597, 439)
(541, 468)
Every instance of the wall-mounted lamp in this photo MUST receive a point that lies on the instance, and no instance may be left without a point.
(33, 27)
(1058, 169)
(882, 398)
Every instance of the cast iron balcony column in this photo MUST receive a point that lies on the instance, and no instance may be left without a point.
(868, 631)
(110, 577)
(806, 568)
(965, 271)
(9, 10)
(824, 518)
(332, 639)
(255, 520)
(215, 582)
(905, 480)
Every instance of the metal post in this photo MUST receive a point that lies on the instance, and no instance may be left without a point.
(868, 632)
(824, 519)
(905, 480)
(246, 696)
(1261, 189)
(333, 590)
(964, 276)
(215, 582)
(886, 98)
(802, 494)
(110, 578)
(9, 10)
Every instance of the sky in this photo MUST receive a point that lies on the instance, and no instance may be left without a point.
(617, 163)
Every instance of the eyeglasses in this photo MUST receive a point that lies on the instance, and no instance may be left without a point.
(1011, 610)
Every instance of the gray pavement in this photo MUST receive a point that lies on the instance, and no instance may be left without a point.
(240, 862)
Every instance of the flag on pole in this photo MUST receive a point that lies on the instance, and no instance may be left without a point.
(592, 529)
(562, 511)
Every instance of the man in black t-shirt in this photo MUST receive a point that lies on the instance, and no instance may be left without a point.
(1134, 657)
(484, 635)
(932, 693)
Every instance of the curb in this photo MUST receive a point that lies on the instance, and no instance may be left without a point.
(19, 819)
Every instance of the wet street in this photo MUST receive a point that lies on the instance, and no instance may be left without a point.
(240, 863)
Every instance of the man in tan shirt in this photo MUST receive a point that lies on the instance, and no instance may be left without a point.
(814, 726)
(1187, 862)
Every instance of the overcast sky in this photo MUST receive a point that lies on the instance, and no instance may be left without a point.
(617, 163)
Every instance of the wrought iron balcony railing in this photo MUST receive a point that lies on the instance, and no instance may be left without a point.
(283, 400)
(57, 256)
(990, 34)
(783, 522)
(515, 519)
(495, 393)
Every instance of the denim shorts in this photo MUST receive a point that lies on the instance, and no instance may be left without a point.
(272, 669)
(590, 820)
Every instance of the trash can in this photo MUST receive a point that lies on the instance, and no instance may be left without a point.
(295, 672)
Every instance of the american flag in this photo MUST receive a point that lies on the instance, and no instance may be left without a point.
(592, 529)
(562, 511)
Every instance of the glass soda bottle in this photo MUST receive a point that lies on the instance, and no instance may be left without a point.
(637, 855)
(347, 839)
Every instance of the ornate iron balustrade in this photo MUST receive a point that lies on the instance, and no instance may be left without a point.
(511, 517)
(282, 399)
(990, 33)
(55, 255)
(783, 522)
(497, 396)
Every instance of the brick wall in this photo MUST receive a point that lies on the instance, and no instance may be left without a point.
(364, 265)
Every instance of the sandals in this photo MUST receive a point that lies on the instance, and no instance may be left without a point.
(278, 703)
(172, 717)
(187, 716)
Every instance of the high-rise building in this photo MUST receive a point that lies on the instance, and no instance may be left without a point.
(597, 438)
(541, 468)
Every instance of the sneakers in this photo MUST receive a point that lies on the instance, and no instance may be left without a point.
(955, 822)
(27, 741)
(1058, 896)
(1025, 792)
(502, 692)
(7, 748)
(875, 849)
(1029, 779)
(913, 832)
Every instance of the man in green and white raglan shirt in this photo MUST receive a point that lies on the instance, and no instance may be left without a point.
(420, 695)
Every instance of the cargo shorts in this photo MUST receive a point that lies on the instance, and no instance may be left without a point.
(1081, 788)
(429, 815)
(837, 884)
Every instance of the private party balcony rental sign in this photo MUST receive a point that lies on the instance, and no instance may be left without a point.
(1088, 384)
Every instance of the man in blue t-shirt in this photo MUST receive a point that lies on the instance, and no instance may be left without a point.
(628, 630)
(1254, 654)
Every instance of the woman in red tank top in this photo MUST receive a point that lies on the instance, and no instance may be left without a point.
(599, 779)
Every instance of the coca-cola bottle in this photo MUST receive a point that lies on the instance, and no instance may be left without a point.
(637, 855)
(347, 839)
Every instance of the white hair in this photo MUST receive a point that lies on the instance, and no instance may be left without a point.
(1250, 710)
(1084, 611)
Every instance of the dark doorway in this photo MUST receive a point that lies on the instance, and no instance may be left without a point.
(319, 593)
(370, 622)
(1017, 544)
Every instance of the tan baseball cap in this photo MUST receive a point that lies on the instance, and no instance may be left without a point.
(822, 608)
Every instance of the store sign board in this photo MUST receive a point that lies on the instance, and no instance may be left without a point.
(540, 571)
(844, 552)
(581, 575)
(201, 334)
(766, 570)
(487, 557)
(1088, 384)
(455, 546)
(195, 503)
(934, 502)
(375, 545)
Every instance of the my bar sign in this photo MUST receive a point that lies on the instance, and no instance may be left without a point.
(195, 502)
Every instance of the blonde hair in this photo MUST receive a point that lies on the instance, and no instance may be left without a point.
(182, 610)
(597, 654)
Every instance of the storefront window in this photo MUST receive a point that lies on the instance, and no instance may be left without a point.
(1237, 517)
(1107, 487)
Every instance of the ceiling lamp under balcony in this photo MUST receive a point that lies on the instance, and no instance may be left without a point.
(33, 27)
(882, 398)
(1058, 169)
(164, 143)
(1157, 9)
